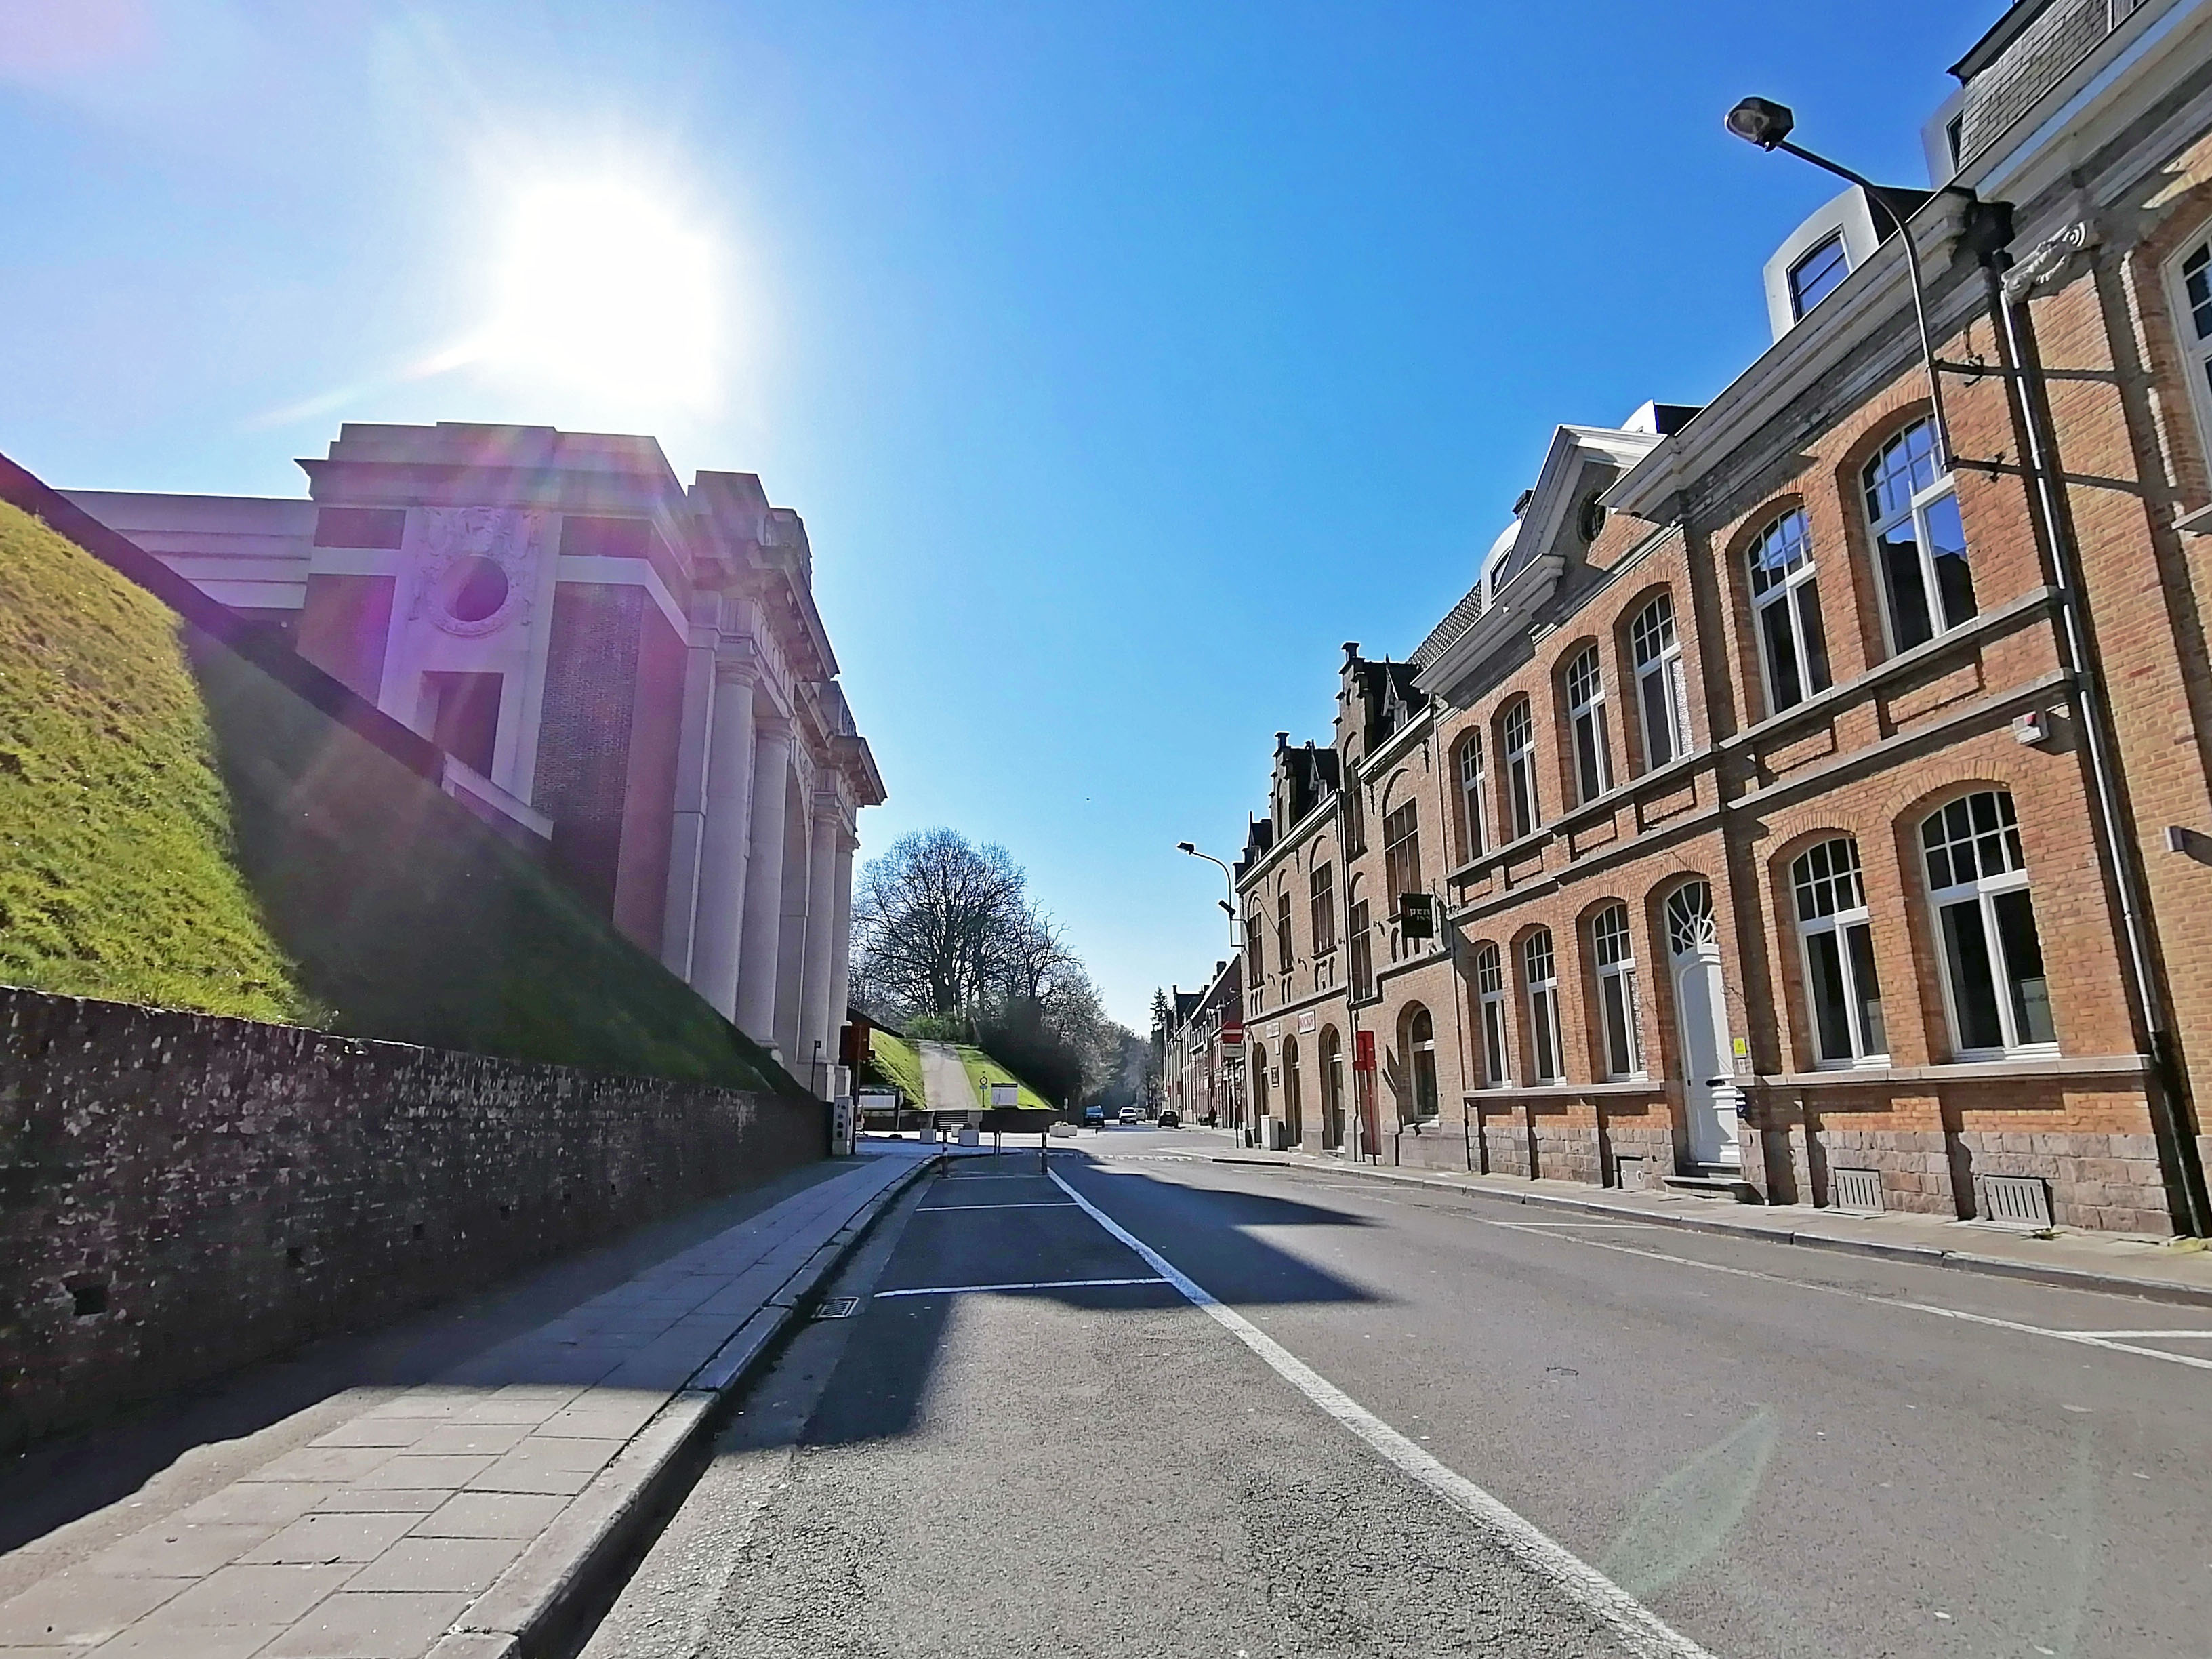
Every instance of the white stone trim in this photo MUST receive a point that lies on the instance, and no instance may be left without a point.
(612, 572)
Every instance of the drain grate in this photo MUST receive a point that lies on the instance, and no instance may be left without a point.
(1856, 1189)
(838, 1307)
(2013, 1200)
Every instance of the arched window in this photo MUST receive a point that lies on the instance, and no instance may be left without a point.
(1472, 792)
(1690, 918)
(2192, 294)
(1586, 717)
(1519, 728)
(1321, 889)
(1284, 954)
(1259, 1081)
(1836, 937)
(1255, 953)
(1490, 997)
(1993, 980)
(1613, 949)
(1402, 853)
(1662, 692)
(1421, 1060)
(1540, 972)
(1785, 603)
(1293, 1091)
(1919, 541)
(1359, 947)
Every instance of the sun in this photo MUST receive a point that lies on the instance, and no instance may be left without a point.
(605, 289)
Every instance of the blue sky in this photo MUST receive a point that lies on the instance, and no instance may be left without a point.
(1123, 359)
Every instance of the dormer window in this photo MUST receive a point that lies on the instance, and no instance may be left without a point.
(1817, 275)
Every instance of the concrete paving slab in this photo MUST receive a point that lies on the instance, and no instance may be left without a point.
(154, 1638)
(276, 1502)
(440, 1564)
(80, 1608)
(179, 1549)
(326, 1540)
(370, 1500)
(240, 1595)
(490, 1514)
(370, 1625)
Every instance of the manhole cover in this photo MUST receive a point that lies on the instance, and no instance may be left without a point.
(838, 1307)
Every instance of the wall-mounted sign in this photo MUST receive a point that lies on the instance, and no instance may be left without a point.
(1417, 915)
(1309, 1020)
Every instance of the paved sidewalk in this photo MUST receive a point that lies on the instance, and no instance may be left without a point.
(2164, 1271)
(460, 1515)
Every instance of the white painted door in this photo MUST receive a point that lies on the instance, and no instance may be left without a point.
(1701, 1012)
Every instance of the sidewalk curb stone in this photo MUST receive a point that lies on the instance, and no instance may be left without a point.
(2052, 1274)
(529, 1601)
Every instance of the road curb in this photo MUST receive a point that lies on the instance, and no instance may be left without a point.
(2064, 1278)
(533, 1605)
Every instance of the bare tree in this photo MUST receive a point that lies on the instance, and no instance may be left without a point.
(931, 919)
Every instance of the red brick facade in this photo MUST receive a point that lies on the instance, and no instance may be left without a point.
(1850, 934)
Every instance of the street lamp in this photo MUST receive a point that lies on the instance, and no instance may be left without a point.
(1763, 122)
(1227, 876)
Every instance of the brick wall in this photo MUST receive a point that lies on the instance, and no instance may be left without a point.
(186, 1194)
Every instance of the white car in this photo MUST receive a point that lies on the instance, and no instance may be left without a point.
(1131, 1114)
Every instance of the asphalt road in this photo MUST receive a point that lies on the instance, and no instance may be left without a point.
(1430, 1423)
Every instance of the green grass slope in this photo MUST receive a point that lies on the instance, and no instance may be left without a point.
(983, 1070)
(176, 828)
(897, 1062)
(117, 877)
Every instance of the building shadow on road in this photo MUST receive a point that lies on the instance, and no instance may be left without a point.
(998, 1226)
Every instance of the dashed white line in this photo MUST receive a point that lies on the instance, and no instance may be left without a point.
(1035, 1284)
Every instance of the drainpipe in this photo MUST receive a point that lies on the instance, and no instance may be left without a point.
(2173, 1117)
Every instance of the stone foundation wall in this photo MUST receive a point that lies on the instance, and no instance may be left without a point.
(185, 1195)
(2102, 1182)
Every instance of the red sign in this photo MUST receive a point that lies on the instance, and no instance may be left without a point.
(1362, 1051)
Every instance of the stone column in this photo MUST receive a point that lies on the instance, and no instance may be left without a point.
(724, 846)
(688, 825)
(763, 911)
(841, 955)
(826, 831)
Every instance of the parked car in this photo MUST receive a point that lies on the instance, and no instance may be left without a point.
(1170, 1119)
(1131, 1114)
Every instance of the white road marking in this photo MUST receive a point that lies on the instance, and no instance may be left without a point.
(2087, 1339)
(1032, 1203)
(1639, 1629)
(1625, 1226)
(1038, 1285)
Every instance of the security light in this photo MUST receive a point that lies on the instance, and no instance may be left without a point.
(1185, 846)
(1761, 121)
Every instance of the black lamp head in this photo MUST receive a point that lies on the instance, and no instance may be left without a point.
(1761, 121)
(1185, 846)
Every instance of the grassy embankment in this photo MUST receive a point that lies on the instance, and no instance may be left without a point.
(897, 1062)
(983, 1072)
(176, 829)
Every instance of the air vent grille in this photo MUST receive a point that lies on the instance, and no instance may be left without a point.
(1856, 1189)
(2013, 1200)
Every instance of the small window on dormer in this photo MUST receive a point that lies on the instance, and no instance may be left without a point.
(1817, 275)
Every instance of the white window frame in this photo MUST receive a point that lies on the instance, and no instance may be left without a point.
(1798, 309)
(1490, 997)
(1982, 892)
(1612, 948)
(1827, 888)
(1586, 725)
(1518, 728)
(1922, 499)
(1414, 1049)
(1540, 972)
(2196, 347)
(1796, 586)
(1656, 648)
(1472, 791)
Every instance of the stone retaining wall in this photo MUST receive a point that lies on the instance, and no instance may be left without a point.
(182, 1194)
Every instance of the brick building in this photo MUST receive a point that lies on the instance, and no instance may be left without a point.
(1203, 1069)
(625, 672)
(1812, 797)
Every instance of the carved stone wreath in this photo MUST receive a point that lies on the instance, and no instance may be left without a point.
(475, 575)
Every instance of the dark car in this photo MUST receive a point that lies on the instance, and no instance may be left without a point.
(1170, 1119)
(1094, 1114)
